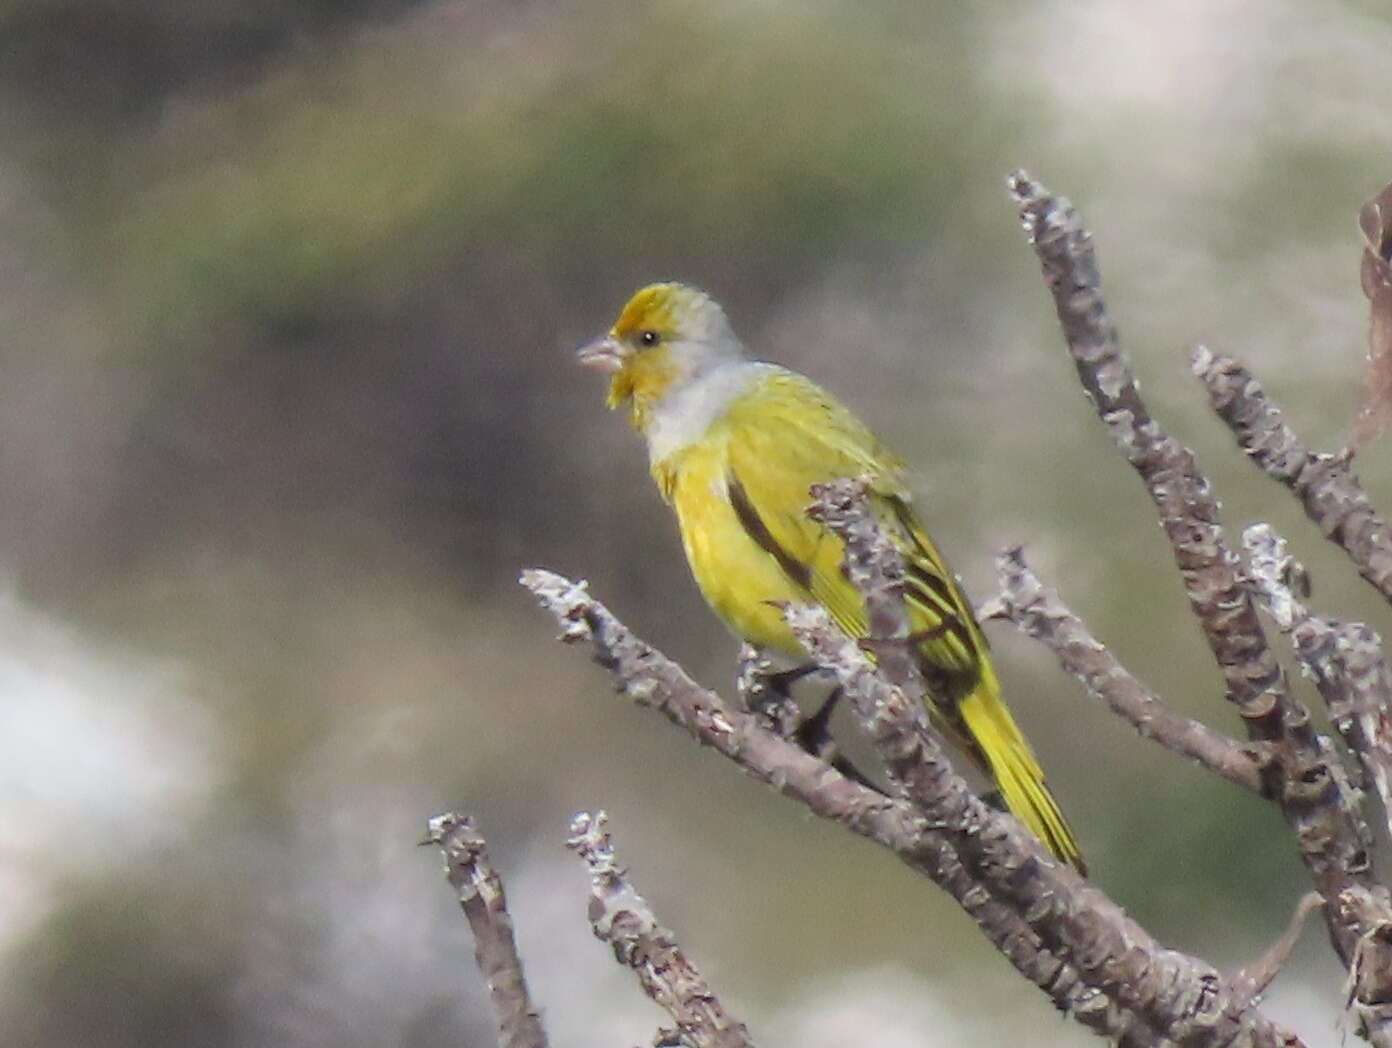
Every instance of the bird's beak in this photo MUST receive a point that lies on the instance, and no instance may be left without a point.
(603, 354)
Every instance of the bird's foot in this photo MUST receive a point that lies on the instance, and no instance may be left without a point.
(766, 695)
(814, 733)
(814, 736)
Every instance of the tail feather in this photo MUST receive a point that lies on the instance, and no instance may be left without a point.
(1016, 771)
(954, 654)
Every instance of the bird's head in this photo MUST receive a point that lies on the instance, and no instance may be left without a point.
(665, 336)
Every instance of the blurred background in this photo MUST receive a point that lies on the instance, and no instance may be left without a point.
(287, 295)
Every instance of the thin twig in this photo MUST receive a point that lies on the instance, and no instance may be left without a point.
(1298, 777)
(1182, 997)
(481, 897)
(1040, 613)
(1251, 982)
(1324, 483)
(650, 679)
(623, 919)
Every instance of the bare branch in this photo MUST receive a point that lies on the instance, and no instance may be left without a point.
(1040, 613)
(1345, 661)
(1188, 511)
(1181, 996)
(1299, 777)
(622, 918)
(1326, 486)
(650, 679)
(481, 897)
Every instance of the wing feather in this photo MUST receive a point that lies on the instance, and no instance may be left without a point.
(793, 435)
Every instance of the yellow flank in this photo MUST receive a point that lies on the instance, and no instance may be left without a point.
(735, 447)
(759, 448)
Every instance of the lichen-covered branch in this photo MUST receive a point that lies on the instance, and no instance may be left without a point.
(1299, 776)
(1181, 996)
(651, 679)
(623, 919)
(1187, 508)
(481, 897)
(1040, 613)
(1324, 483)
(1368, 988)
(1344, 659)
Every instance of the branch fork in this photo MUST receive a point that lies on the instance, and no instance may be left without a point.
(1059, 931)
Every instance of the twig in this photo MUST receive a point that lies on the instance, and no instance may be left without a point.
(1040, 613)
(1181, 996)
(876, 570)
(1299, 778)
(1345, 661)
(1324, 483)
(622, 918)
(1251, 982)
(481, 897)
(651, 679)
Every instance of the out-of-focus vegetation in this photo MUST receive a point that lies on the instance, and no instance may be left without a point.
(286, 297)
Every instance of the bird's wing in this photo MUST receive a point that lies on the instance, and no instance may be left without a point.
(935, 600)
(787, 434)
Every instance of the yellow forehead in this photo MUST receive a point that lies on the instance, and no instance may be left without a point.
(659, 307)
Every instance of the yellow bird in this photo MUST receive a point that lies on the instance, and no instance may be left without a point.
(734, 445)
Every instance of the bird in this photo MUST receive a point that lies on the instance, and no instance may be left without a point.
(734, 445)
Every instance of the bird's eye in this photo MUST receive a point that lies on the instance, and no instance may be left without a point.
(649, 338)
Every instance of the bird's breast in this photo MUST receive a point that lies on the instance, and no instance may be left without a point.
(737, 577)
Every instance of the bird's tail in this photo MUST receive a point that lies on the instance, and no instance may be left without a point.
(1015, 769)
